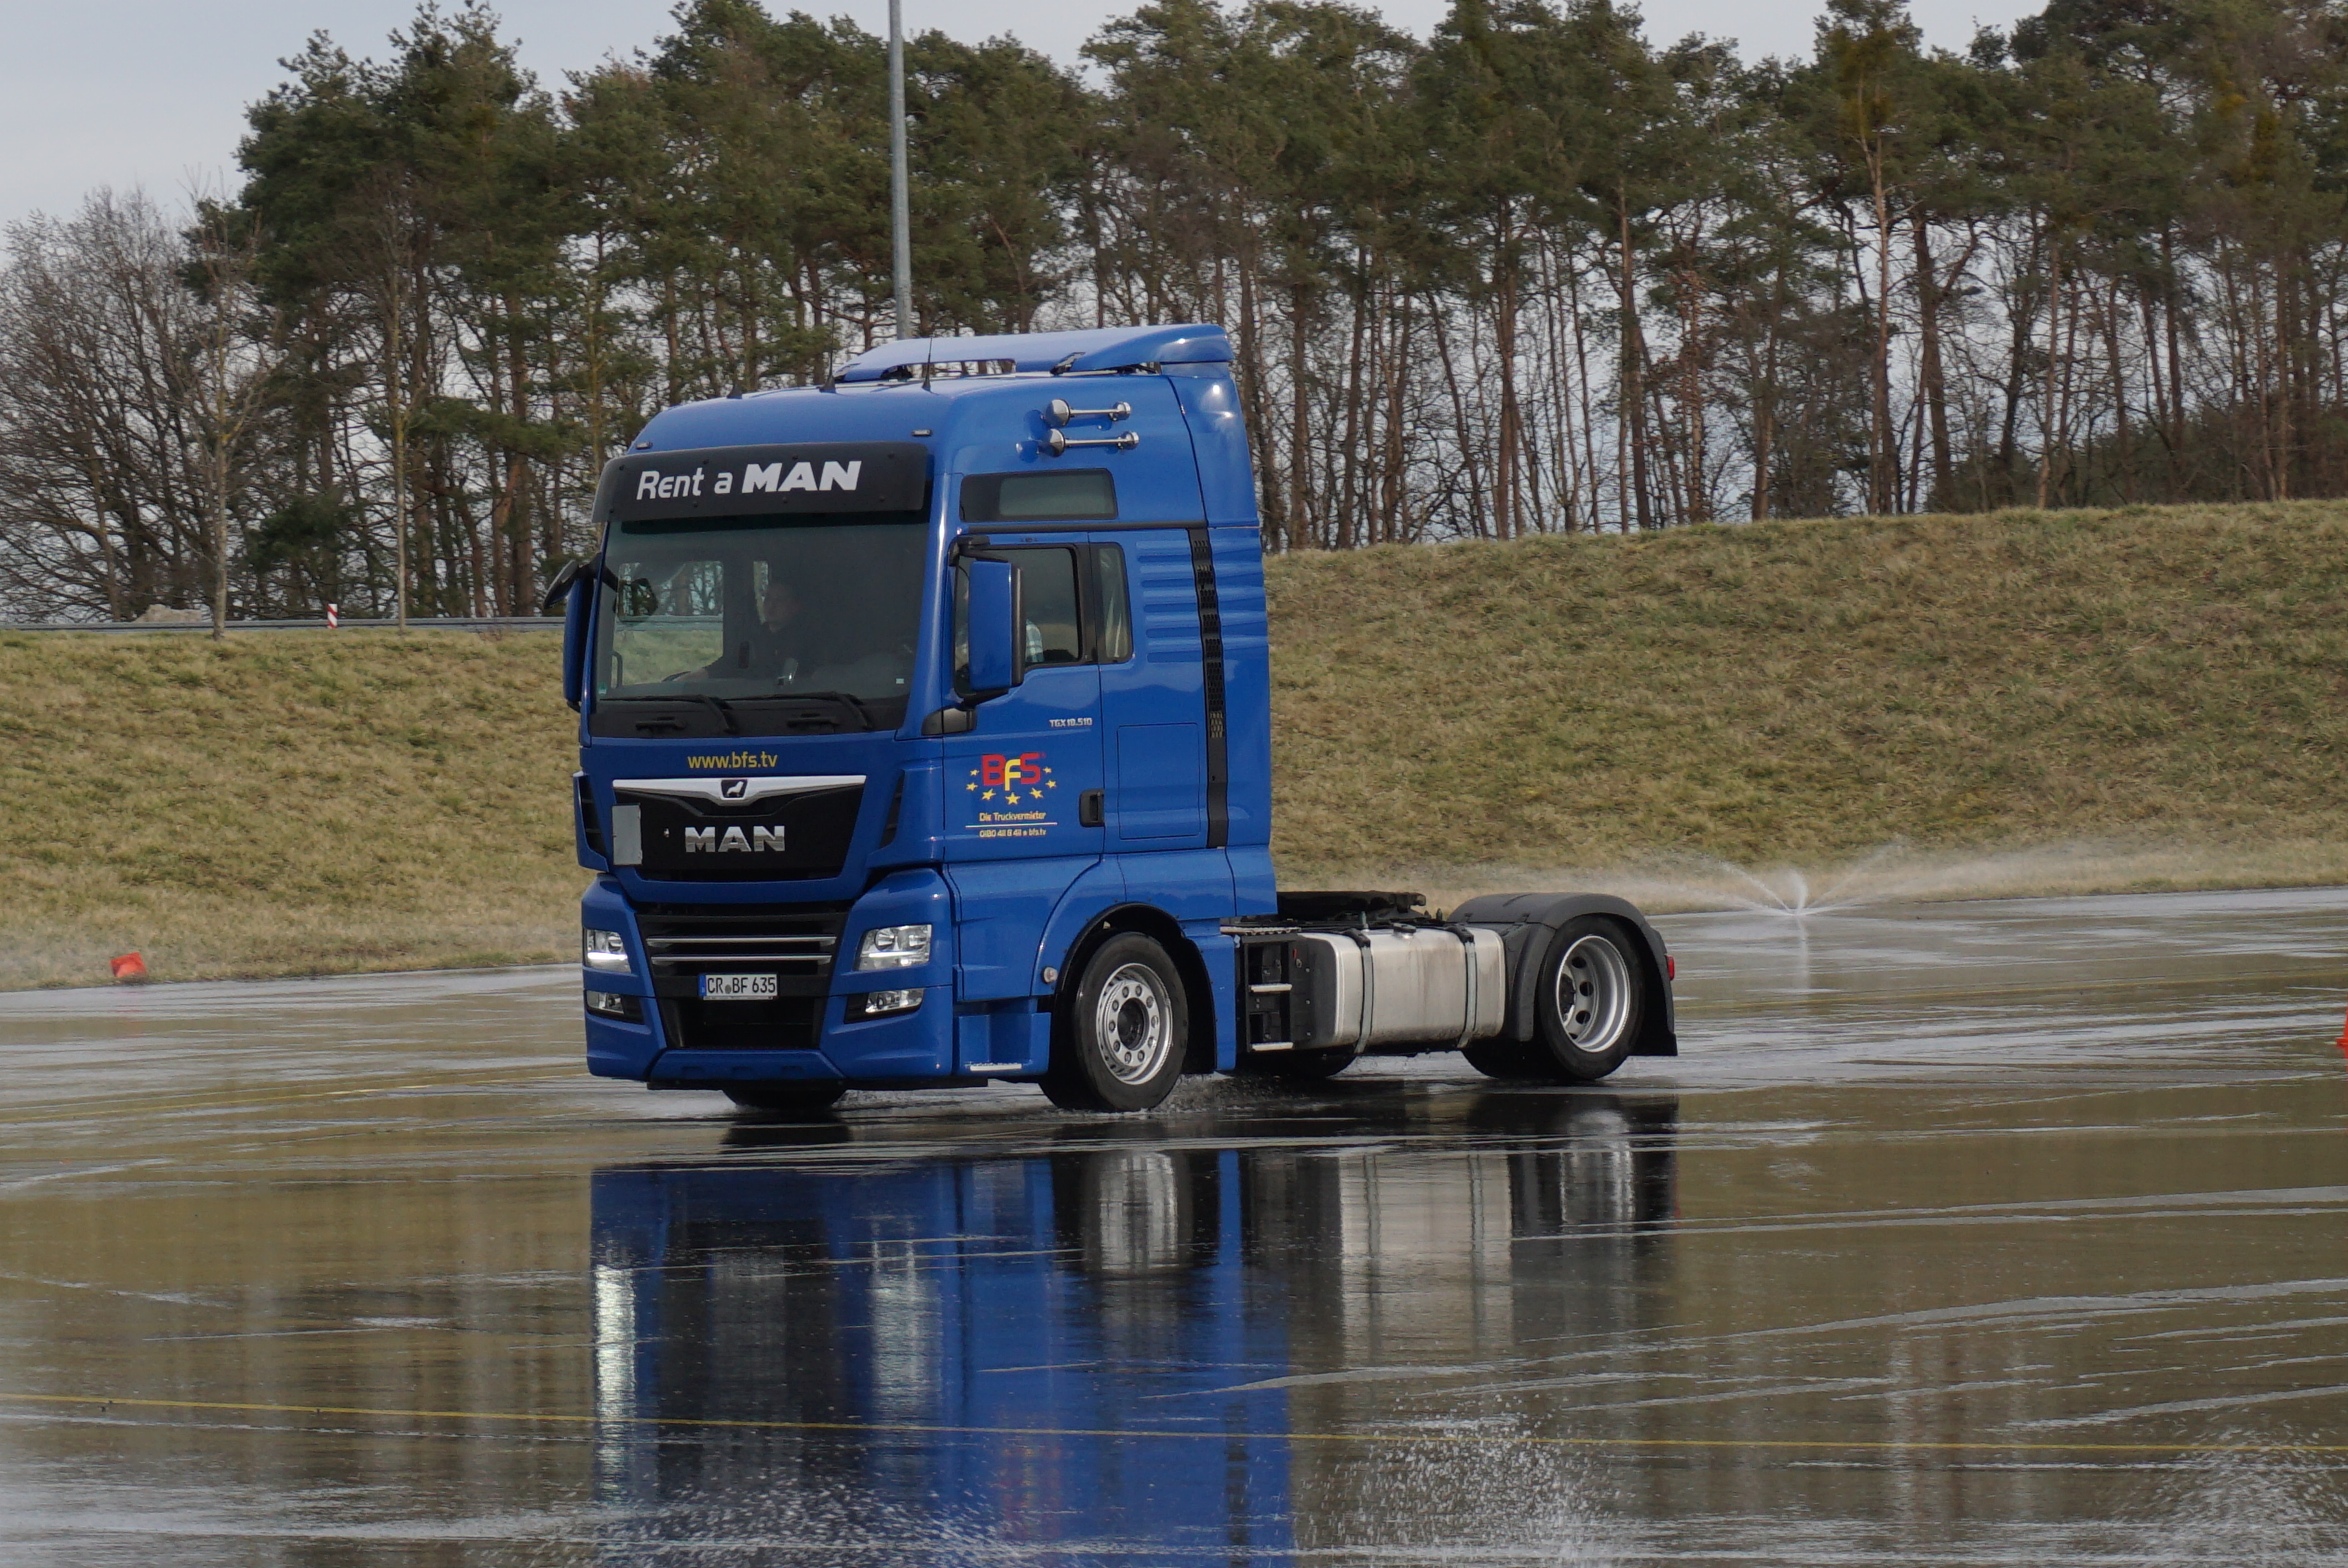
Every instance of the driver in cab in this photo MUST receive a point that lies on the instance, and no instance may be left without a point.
(777, 646)
(779, 643)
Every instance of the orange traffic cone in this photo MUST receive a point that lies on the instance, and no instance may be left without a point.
(129, 966)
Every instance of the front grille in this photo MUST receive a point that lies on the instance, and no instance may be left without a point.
(786, 1023)
(786, 955)
(795, 943)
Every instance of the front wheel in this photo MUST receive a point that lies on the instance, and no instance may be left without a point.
(1120, 1044)
(787, 1099)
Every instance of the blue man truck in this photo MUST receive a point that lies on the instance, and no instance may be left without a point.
(925, 739)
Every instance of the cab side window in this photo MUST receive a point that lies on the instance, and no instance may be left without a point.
(1112, 612)
(1074, 602)
(1047, 587)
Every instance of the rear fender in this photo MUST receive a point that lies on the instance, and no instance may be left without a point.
(1527, 921)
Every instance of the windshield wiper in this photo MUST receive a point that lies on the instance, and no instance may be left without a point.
(725, 710)
(855, 704)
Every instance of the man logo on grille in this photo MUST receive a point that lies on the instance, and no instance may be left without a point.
(760, 839)
(733, 789)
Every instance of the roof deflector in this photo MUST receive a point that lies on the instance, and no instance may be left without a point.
(1109, 348)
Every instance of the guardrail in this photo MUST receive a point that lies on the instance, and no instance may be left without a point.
(203, 628)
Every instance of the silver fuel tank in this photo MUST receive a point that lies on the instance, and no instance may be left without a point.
(1428, 986)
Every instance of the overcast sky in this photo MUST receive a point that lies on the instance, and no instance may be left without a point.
(150, 92)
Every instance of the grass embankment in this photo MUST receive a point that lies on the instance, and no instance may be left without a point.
(2021, 702)
(285, 803)
(2152, 696)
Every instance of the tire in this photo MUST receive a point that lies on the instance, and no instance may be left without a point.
(1124, 1032)
(1507, 1058)
(1591, 1000)
(803, 1099)
(1301, 1066)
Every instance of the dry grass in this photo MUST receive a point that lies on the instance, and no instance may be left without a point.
(2154, 681)
(288, 803)
(2015, 703)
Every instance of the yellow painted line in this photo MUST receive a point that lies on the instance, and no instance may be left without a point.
(916, 1428)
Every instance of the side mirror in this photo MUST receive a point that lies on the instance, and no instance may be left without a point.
(560, 588)
(574, 585)
(996, 654)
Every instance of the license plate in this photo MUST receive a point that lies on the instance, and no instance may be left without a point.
(738, 988)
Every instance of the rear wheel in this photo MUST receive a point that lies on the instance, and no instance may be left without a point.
(787, 1098)
(1591, 1000)
(1123, 1035)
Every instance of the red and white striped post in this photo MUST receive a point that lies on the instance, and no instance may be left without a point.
(333, 616)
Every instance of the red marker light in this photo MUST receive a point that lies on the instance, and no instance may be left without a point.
(1671, 968)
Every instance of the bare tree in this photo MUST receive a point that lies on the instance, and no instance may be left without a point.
(101, 452)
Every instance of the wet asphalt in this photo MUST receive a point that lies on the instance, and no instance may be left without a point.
(1964, 1234)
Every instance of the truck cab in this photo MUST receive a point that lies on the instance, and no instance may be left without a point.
(925, 739)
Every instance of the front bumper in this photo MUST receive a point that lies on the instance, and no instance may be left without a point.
(814, 1037)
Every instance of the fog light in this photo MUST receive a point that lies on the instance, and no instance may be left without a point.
(613, 1004)
(893, 947)
(606, 950)
(874, 1004)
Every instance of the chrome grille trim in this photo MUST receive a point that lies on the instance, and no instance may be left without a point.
(813, 952)
(790, 942)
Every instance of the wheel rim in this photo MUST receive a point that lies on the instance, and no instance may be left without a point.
(1593, 995)
(1133, 1019)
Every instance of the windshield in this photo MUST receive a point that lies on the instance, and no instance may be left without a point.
(758, 626)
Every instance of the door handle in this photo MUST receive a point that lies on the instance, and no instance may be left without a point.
(1088, 809)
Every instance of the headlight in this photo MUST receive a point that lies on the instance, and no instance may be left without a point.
(893, 947)
(603, 950)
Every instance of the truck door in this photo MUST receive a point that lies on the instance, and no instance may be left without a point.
(1154, 702)
(1015, 782)
(1023, 786)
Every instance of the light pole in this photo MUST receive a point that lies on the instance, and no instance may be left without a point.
(900, 207)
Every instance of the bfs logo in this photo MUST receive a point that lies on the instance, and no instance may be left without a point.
(1011, 779)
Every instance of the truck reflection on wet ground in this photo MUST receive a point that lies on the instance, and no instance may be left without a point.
(1097, 1342)
(1976, 1234)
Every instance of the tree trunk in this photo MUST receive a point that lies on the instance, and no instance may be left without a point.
(2049, 432)
(1882, 474)
(1300, 413)
(1505, 483)
(1634, 393)
(1935, 383)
